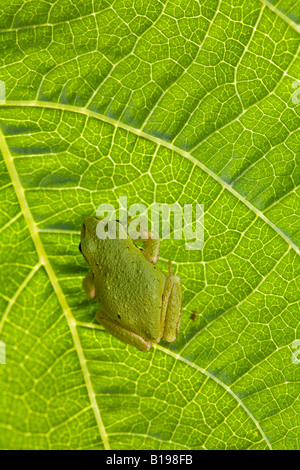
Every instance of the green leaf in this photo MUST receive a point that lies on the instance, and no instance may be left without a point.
(174, 101)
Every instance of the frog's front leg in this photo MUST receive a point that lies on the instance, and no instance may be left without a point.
(151, 252)
(171, 307)
(122, 333)
(89, 285)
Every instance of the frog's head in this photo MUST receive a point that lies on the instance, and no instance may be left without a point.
(89, 241)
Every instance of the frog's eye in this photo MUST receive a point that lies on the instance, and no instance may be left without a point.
(83, 231)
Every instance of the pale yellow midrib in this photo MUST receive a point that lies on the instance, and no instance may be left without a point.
(44, 261)
(161, 142)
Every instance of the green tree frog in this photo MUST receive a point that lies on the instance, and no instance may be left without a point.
(138, 303)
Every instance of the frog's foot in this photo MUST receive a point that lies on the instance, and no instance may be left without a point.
(89, 285)
(171, 307)
(122, 334)
(151, 252)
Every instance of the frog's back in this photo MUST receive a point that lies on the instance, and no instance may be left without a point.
(129, 288)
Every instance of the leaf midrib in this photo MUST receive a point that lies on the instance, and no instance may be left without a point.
(44, 261)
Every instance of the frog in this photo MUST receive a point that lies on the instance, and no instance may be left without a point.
(138, 303)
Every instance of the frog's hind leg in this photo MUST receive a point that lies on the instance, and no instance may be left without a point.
(171, 307)
(89, 285)
(151, 252)
(122, 334)
(152, 243)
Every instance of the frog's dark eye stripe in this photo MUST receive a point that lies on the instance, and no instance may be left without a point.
(80, 248)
